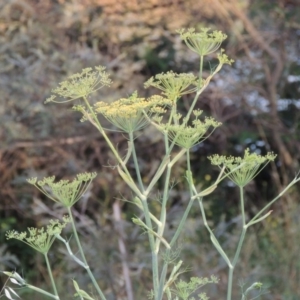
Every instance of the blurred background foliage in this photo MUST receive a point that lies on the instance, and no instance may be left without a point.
(257, 100)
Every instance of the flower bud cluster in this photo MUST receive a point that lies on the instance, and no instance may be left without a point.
(40, 239)
(242, 170)
(173, 85)
(81, 85)
(64, 192)
(202, 42)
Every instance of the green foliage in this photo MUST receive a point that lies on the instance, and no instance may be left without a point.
(81, 293)
(183, 290)
(257, 287)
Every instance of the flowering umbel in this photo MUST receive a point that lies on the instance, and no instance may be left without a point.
(130, 114)
(81, 85)
(40, 239)
(202, 42)
(187, 136)
(173, 85)
(65, 192)
(242, 170)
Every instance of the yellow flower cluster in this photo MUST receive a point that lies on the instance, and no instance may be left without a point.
(130, 114)
(123, 108)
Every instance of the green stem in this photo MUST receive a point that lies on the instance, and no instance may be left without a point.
(229, 285)
(144, 204)
(172, 243)
(295, 180)
(163, 278)
(83, 257)
(201, 87)
(180, 226)
(50, 275)
(189, 172)
(34, 288)
(244, 230)
(154, 254)
(219, 248)
(212, 236)
(234, 262)
(200, 71)
(166, 140)
(165, 133)
(188, 208)
(187, 117)
(163, 217)
(173, 111)
(199, 91)
(146, 211)
(163, 213)
(239, 246)
(242, 205)
(135, 161)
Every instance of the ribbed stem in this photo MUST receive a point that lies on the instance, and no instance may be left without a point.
(50, 275)
(83, 257)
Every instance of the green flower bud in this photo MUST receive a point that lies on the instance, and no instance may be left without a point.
(172, 84)
(187, 136)
(64, 192)
(81, 85)
(242, 170)
(202, 42)
(40, 239)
